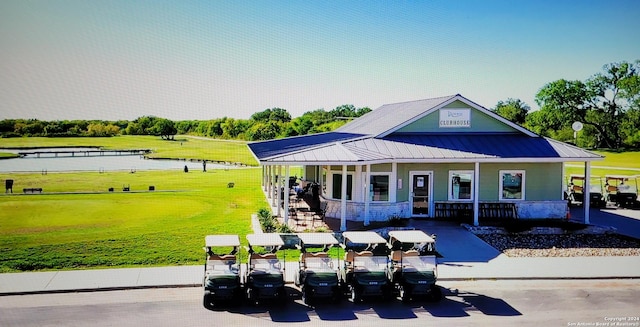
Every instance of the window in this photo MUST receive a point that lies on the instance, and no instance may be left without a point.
(379, 188)
(512, 185)
(460, 185)
(337, 186)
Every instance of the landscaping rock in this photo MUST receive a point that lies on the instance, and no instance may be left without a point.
(558, 242)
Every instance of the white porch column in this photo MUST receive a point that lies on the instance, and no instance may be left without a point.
(278, 192)
(476, 187)
(286, 195)
(264, 178)
(393, 183)
(357, 177)
(270, 182)
(320, 181)
(586, 191)
(272, 186)
(367, 196)
(343, 200)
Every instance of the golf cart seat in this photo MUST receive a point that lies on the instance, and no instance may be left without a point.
(612, 188)
(304, 256)
(411, 253)
(263, 256)
(576, 188)
(226, 257)
(365, 254)
(396, 256)
(348, 257)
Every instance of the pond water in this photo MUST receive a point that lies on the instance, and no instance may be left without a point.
(96, 163)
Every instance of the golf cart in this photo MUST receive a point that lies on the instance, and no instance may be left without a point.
(413, 268)
(576, 195)
(622, 190)
(316, 275)
(221, 281)
(265, 272)
(365, 266)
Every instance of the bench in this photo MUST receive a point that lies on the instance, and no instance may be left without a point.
(32, 190)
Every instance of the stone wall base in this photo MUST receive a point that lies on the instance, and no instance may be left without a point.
(383, 211)
(542, 209)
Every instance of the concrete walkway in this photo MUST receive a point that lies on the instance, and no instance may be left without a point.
(464, 257)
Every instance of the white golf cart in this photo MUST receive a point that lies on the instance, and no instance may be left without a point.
(365, 266)
(265, 271)
(316, 276)
(413, 268)
(222, 283)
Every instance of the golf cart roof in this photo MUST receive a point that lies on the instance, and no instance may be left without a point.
(363, 237)
(618, 177)
(411, 236)
(266, 239)
(317, 238)
(581, 177)
(221, 240)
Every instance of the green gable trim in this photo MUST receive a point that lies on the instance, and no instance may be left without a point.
(480, 123)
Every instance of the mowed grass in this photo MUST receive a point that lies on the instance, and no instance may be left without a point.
(96, 230)
(183, 147)
(614, 163)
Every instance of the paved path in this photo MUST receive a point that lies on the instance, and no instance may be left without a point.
(464, 257)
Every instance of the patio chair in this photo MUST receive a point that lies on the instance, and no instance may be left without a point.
(318, 215)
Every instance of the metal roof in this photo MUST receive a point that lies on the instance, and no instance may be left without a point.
(439, 148)
(373, 138)
(266, 149)
(391, 116)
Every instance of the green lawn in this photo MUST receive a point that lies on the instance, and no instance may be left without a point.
(163, 227)
(614, 163)
(7, 155)
(182, 147)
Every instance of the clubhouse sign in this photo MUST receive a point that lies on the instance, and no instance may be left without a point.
(455, 118)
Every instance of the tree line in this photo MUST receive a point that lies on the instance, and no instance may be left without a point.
(607, 104)
(268, 124)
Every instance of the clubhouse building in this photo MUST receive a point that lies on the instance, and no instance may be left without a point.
(441, 158)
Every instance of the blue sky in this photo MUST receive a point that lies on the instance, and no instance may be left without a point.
(210, 59)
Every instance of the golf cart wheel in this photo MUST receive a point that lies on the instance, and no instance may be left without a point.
(355, 295)
(251, 296)
(337, 295)
(307, 297)
(206, 300)
(405, 294)
(238, 296)
(282, 295)
(435, 294)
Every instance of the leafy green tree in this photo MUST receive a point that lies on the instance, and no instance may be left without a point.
(164, 128)
(513, 110)
(264, 130)
(234, 128)
(630, 128)
(275, 114)
(600, 102)
(99, 129)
